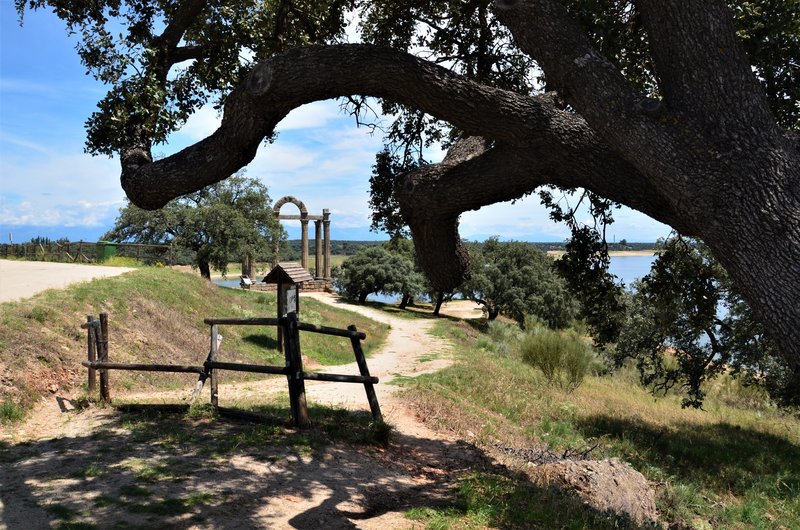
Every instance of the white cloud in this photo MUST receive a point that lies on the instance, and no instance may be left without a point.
(25, 144)
(65, 190)
(200, 125)
(311, 116)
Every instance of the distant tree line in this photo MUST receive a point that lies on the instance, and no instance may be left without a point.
(340, 247)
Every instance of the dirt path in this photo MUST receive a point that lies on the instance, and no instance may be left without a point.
(339, 486)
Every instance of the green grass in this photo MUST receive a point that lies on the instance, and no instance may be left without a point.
(486, 499)
(735, 465)
(122, 261)
(10, 412)
(155, 316)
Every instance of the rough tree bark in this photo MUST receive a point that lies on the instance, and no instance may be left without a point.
(707, 159)
(438, 305)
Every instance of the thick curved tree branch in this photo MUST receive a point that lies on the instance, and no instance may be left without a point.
(303, 75)
(185, 15)
(475, 174)
(574, 67)
(684, 157)
(187, 53)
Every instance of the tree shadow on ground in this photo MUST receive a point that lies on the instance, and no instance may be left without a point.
(722, 456)
(167, 470)
(422, 312)
(262, 341)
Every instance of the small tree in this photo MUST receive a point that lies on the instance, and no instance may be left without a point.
(517, 279)
(219, 223)
(417, 283)
(376, 270)
(677, 335)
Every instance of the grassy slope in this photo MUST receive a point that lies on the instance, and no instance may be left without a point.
(734, 465)
(155, 315)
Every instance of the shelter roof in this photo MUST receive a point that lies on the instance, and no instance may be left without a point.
(287, 272)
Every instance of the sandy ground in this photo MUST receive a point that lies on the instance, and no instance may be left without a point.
(22, 279)
(341, 486)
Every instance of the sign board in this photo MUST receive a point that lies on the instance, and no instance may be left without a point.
(287, 300)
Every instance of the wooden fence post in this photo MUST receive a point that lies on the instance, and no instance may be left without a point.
(92, 354)
(102, 350)
(372, 397)
(297, 386)
(213, 357)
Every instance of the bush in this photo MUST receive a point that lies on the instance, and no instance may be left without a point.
(563, 357)
(500, 337)
(376, 270)
(10, 412)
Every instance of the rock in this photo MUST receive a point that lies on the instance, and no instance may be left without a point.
(605, 485)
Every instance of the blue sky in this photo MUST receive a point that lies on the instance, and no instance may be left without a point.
(50, 187)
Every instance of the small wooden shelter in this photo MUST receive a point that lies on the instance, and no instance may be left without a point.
(289, 275)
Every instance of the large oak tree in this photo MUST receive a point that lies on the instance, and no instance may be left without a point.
(653, 104)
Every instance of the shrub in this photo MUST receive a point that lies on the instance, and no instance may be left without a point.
(500, 337)
(10, 412)
(563, 357)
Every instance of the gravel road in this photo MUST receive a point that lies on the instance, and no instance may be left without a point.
(23, 279)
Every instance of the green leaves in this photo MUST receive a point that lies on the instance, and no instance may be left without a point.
(218, 224)
(686, 324)
(163, 59)
(376, 270)
(517, 279)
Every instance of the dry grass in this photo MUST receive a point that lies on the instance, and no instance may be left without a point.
(723, 467)
(156, 316)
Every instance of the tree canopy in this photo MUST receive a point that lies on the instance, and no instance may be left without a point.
(517, 279)
(686, 324)
(682, 109)
(220, 223)
(376, 270)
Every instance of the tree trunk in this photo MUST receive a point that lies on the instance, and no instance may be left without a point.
(755, 234)
(405, 300)
(493, 313)
(362, 297)
(205, 269)
(439, 302)
(247, 265)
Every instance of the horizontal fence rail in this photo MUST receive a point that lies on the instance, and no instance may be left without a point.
(289, 328)
(302, 326)
(240, 367)
(144, 367)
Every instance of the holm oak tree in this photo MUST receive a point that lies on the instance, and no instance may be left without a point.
(681, 109)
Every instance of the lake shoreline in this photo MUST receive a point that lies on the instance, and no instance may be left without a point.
(647, 252)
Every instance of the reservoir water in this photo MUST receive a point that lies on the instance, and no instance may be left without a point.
(625, 268)
(630, 268)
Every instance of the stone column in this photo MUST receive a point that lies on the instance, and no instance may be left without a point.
(276, 240)
(304, 244)
(318, 272)
(326, 223)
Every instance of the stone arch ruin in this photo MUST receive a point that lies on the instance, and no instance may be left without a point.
(322, 270)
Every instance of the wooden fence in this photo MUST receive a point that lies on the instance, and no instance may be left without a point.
(85, 251)
(290, 327)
